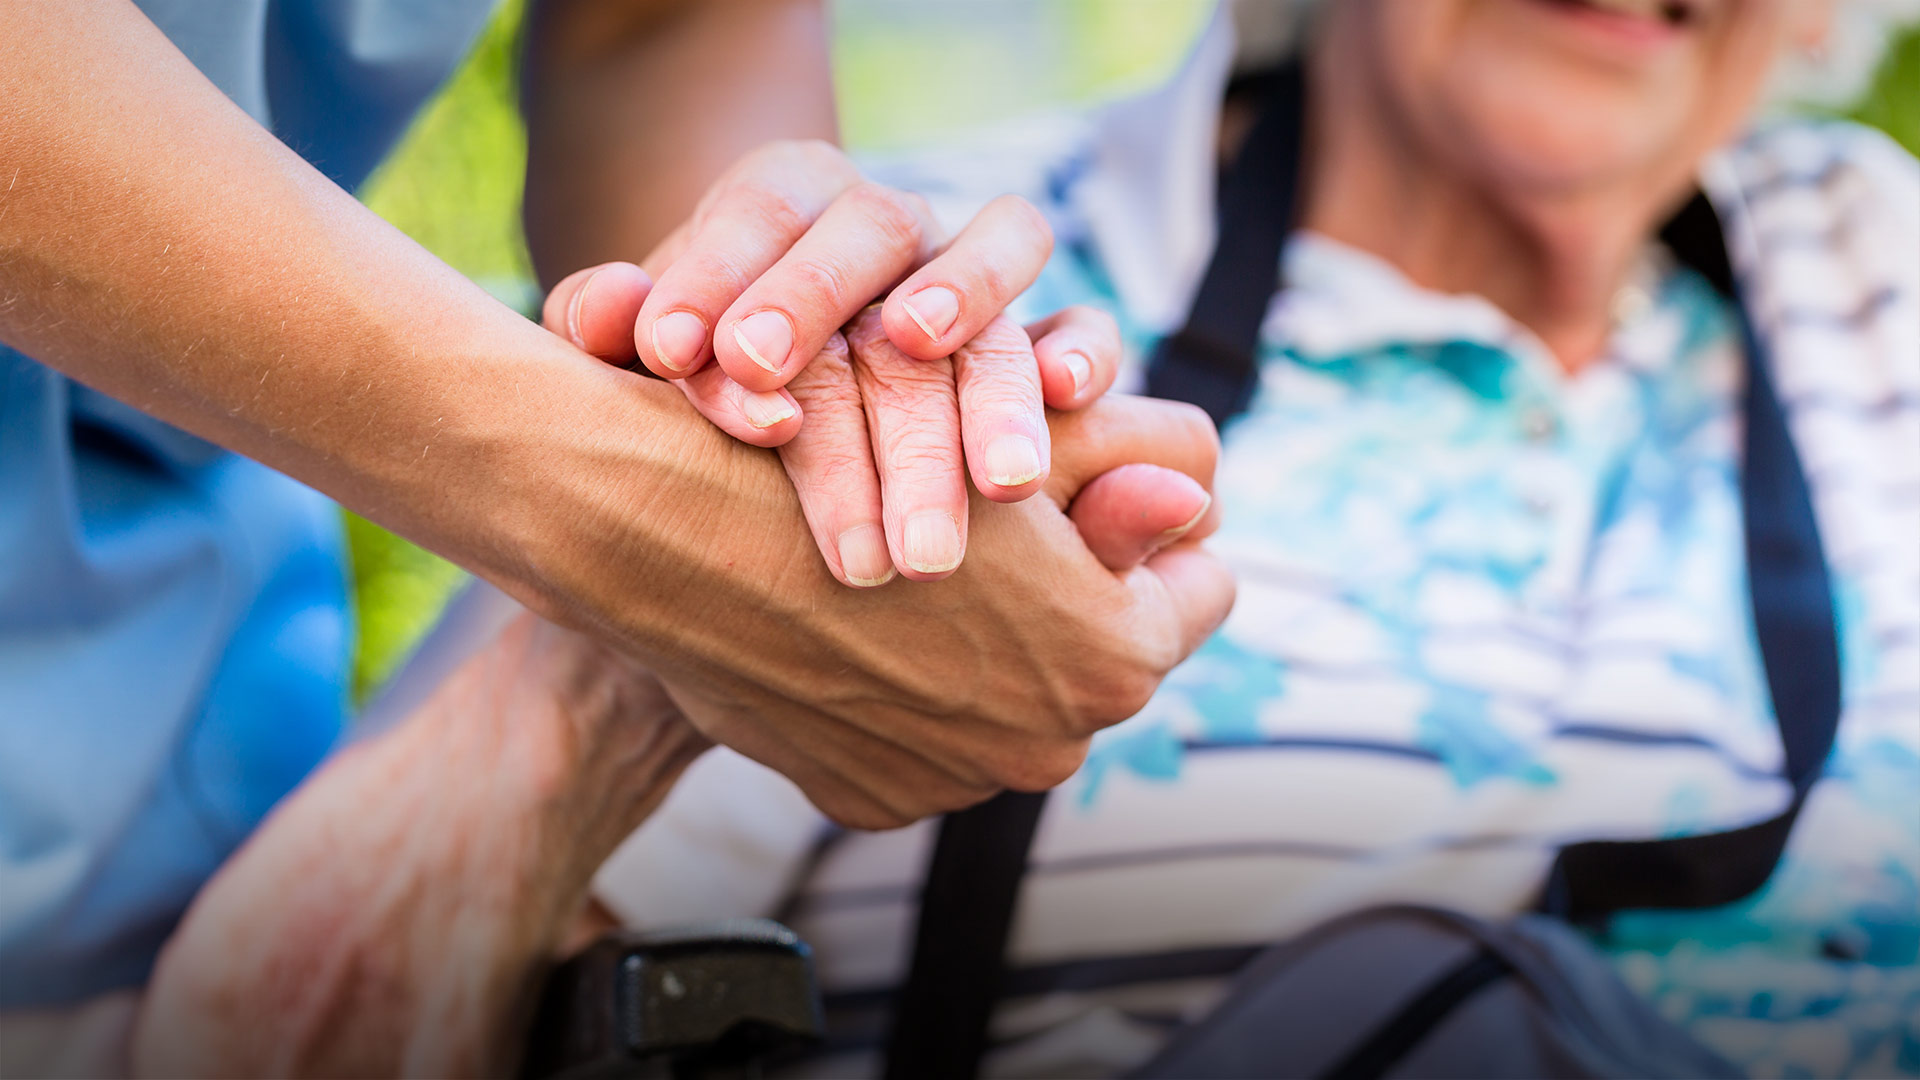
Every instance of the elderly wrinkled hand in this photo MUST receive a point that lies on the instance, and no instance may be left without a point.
(456, 848)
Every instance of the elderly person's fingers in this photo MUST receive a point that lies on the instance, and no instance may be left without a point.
(594, 308)
(1127, 514)
(1120, 429)
(1002, 420)
(1078, 350)
(859, 247)
(831, 465)
(758, 418)
(950, 299)
(913, 419)
(746, 224)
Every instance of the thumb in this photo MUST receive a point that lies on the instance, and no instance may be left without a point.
(596, 308)
(1185, 595)
(1126, 514)
(1120, 430)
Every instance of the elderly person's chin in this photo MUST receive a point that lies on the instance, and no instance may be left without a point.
(1562, 96)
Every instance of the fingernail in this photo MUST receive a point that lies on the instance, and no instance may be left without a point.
(678, 337)
(1179, 531)
(932, 542)
(1080, 368)
(934, 309)
(766, 337)
(1012, 460)
(863, 556)
(765, 409)
(573, 310)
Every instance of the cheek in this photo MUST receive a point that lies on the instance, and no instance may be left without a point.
(1744, 52)
(1494, 98)
(1542, 121)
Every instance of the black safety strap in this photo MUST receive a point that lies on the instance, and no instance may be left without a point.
(1212, 362)
(1209, 361)
(1793, 617)
(966, 909)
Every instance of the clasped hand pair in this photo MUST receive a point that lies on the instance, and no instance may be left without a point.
(882, 353)
(684, 568)
(805, 309)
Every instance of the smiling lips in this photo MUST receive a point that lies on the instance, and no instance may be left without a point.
(1671, 12)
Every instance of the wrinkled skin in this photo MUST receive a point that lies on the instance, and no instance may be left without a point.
(886, 705)
(822, 241)
(1526, 150)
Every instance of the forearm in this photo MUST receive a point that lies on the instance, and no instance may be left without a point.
(395, 914)
(633, 108)
(159, 245)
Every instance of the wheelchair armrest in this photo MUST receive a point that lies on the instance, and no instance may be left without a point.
(706, 1001)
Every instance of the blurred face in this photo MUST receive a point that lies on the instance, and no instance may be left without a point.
(1564, 96)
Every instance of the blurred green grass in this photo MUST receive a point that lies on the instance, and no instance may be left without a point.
(1893, 102)
(454, 183)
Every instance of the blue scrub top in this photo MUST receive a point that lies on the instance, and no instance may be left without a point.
(174, 627)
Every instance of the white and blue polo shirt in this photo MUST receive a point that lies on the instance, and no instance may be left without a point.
(1486, 609)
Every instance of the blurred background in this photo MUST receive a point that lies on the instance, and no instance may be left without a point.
(910, 72)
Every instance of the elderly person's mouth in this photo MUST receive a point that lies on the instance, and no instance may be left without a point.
(1632, 23)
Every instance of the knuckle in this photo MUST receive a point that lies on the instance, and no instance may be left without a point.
(1136, 690)
(820, 154)
(865, 815)
(1042, 765)
(910, 452)
(889, 212)
(922, 209)
(715, 269)
(836, 469)
(837, 392)
(820, 284)
(775, 208)
(832, 461)
(1120, 695)
(830, 371)
(992, 280)
(999, 342)
(923, 388)
(865, 333)
(962, 794)
(1196, 427)
(1028, 218)
(1099, 323)
(986, 366)
(996, 398)
(1001, 392)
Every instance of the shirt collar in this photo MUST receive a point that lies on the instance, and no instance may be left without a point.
(1341, 300)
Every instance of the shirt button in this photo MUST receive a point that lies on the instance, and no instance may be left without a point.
(1538, 503)
(1538, 425)
(1631, 302)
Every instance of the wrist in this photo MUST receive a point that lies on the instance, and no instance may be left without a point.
(391, 915)
(516, 456)
(635, 514)
(568, 746)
